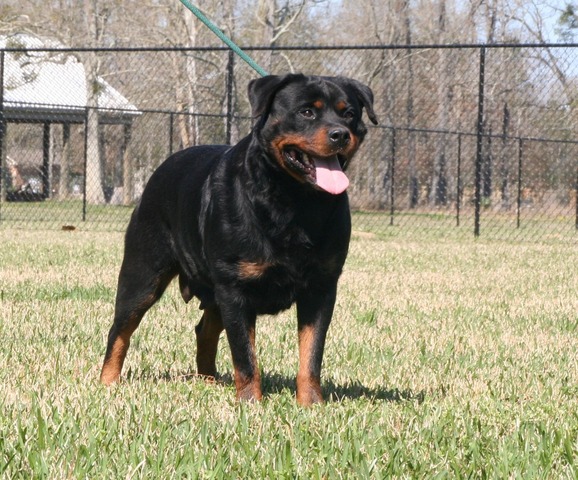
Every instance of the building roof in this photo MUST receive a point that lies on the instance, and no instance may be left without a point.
(48, 85)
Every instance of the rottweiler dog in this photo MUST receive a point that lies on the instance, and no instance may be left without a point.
(250, 229)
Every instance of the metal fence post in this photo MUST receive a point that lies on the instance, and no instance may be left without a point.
(171, 132)
(85, 163)
(45, 171)
(2, 133)
(576, 191)
(230, 81)
(519, 199)
(392, 177)
(479, 145)
(459, 181)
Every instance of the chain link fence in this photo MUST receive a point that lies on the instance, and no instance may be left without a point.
(473, 140)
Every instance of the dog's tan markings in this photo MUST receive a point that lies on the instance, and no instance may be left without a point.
(114, 360)
(283, 141)
(113, 364)
(351, 149)
(306, 339)
(320, 145)
(249, 389)
(308, 387)
(317, 145)
(340, 106)
(297, 141)
(318, 104)
(252, 270)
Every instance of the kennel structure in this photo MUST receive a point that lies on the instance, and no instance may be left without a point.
(44, 83)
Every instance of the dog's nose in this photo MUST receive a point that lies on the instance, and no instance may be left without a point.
(339, 137)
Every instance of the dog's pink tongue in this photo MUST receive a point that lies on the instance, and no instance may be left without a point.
(330, 177)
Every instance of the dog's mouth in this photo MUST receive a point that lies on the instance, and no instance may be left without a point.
(325, 173)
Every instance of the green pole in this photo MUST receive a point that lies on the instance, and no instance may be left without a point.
(201, 16)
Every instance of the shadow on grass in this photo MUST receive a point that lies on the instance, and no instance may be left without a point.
(274, 383)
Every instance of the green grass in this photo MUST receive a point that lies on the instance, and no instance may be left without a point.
(53, 214)
(535, 225)
(446, 359)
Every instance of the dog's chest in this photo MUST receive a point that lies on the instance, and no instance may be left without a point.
(268, 262)
(271, 286)
(272, 283)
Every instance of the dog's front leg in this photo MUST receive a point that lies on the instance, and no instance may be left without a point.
(314, 312)
(239, 322)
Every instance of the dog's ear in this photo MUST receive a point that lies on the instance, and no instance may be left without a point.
(262, 91)
(366, 96)
(362, 92)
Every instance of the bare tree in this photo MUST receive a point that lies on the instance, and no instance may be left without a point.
(439, 183)
(95, 20)
(530, 16)
(568, 22)
(275, 17)
(413, 190)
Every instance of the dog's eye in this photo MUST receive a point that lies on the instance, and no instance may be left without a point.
(348, 114)
(307, 113)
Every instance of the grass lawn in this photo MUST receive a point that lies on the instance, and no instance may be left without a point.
(446, 359)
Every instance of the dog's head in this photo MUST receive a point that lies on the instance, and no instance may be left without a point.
(311, 126)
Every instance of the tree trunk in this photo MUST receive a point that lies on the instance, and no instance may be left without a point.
(413, 182)
(487, 168)
(266, 17)
(3, 161)
(438, 192)
(94, 192)
(186, 98)
(505, 161)
(63, 184)
(127, 168)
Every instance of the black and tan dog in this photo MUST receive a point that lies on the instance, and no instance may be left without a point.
(250, 229)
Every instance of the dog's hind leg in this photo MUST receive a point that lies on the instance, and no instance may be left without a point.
(140, 285)
(208, 331)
